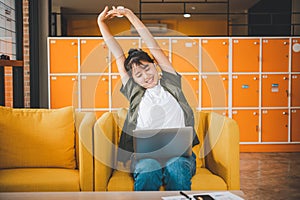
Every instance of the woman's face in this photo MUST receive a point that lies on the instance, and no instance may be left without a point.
(145, 74)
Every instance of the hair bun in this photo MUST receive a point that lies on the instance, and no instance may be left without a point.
(133, 51)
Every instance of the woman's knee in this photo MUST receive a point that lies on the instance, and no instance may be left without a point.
(178, 173)
(147, 175)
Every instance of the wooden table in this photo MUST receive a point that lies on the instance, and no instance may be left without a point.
(96, 195)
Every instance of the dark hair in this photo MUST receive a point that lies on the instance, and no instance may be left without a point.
(135, 56)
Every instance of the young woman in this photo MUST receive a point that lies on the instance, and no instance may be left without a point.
(155, 102)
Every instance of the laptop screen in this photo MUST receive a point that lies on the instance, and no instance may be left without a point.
(163, 143)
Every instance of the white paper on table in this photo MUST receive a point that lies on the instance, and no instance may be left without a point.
(216, 195)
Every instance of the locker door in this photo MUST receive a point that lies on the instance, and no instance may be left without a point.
(99, 114)
(94, 91)
(126, 44)
(63, 56)
(296, 55)
(63, 91)
(118, 99)
(274, 90)
(295, 129)
(248, 124)
(185, 55)
(93, 56)
(190, 87)
(274, 126)
(214, 91)
(275, 55)
(215, 55)
(245, 90)
(163, 43)
(245, 55)
(295, 95)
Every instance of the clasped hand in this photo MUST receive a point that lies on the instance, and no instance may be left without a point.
(120, 11)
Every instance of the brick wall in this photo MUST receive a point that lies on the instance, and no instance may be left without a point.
(8, 87)
(26, 51)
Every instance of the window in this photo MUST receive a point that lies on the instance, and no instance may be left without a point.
(8, 28)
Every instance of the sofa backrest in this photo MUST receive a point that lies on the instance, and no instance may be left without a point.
(37, 138)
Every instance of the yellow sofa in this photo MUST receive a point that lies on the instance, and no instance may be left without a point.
(46, 150)
(217, 155)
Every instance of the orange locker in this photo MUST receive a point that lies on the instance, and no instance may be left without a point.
(215, 55)
(99, 114)
(295, 95)
(295, 125)
(190, 87)
(185, 55)
(93, 56)
(126, 44)
(118, 99)
(275, 125)
(296, 55)
(245, 55)
(63, 55)
(94, 91)
(214, 90)
(248, 121)
(275, 55)
(275, 90)
(163, 43)
(63, 91)
(245, 90)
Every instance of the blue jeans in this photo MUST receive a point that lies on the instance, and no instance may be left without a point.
(175, 174)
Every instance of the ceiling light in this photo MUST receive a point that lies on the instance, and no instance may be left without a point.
(186, 15)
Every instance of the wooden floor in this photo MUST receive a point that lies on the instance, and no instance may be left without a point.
(270, 175)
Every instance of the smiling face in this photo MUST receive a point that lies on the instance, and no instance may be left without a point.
(145, 74)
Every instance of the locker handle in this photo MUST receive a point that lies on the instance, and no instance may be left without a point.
(256, 128)
(287, 93)
(284, 113)
(285, 78)
(254, 113)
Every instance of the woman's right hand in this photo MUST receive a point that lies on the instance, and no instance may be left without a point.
(103, 15)
(106, 14)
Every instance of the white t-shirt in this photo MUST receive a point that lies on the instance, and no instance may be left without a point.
(159, 109)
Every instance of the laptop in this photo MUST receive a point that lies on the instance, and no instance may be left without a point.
(163, 143)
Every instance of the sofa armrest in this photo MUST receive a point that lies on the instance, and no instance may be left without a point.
(104, 150)
(86, 168)
(222, 149)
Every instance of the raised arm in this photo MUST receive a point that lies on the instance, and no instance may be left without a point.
(145, 34)
(112, 43)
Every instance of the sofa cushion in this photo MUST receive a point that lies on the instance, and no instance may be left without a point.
(39, 179)
(37, 138)
(202, 180)
(205, 180)
(120, 181)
